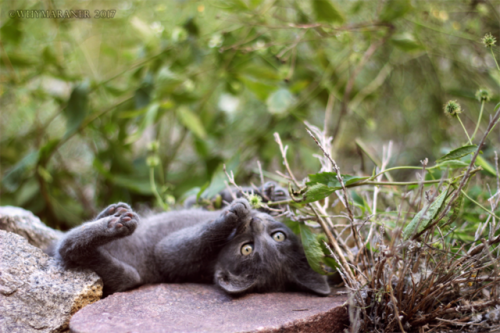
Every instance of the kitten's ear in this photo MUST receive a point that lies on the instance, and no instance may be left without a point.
(233, 284)
(308, 279)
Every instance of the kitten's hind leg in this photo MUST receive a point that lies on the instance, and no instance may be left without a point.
(82, 247)
(114, 222)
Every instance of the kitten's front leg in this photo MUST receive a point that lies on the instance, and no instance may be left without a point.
(185, 254)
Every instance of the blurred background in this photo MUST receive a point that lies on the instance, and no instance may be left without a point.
(89, 107)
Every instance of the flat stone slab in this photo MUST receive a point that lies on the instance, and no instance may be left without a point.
(177, 308)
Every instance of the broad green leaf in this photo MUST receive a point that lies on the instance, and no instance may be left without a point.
(77, 107)
(317, 192)
(394, 9)
(325, 11)
(18, 172)
(324, 184)
(313, 251)
(330, 179)
(486, 165)
(459, 152)
(260, 72)
(422, 220)
(406, 42)
(261, 90)
(191, 121)
(280, 101)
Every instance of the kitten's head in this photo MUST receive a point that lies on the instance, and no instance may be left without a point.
(266, 256)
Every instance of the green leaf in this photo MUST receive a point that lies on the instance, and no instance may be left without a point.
(191, 121)
(395, 9)
(459, 152)
(280, 101)
(18, 172)
(324, 184)
(325, 11)
(148, 120)
(313, 251)
(452, 164)
(317, 192)
(77, 107)
(406, 42)
(486, 165)
(261, 90)
(330, 179)
(422, 220)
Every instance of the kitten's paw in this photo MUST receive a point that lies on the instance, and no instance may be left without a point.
(271, 191)
(113, 209)
(123, 222)
(240, 208)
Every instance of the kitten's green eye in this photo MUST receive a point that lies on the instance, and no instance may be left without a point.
(246, 249)
(279, 236)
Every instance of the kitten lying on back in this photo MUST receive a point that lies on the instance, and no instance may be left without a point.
(239, 249)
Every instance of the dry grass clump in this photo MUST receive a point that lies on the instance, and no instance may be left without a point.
(404, 276)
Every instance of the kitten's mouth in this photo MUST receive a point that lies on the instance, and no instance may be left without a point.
(234, 284)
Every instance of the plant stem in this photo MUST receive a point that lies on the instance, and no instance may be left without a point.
(153, 187)
(478, 120)
(479, 205)
(400, 168)
(494, 58)
(468, 137)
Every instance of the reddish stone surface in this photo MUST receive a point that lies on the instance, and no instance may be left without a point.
(179, 308)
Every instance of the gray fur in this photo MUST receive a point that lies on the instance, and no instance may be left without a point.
(190, 246)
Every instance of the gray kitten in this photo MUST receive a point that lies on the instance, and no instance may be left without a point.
(239, 249)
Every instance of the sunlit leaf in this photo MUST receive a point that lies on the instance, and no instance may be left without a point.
(192, 122)
(261, 90)
(406, 42)
(486, 165)
(422, 220)
(325, 11)
(394, 9)
(459, 152)
(317, 192)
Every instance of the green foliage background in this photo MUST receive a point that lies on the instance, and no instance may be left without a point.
(81, 99)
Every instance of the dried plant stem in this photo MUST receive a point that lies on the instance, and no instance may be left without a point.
(322, 222)
(466, 176)
(344, 189)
